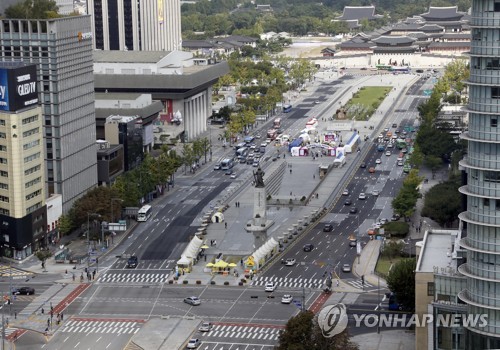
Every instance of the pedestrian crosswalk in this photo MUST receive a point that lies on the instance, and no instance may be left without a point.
(97, 326)
(358, 284)
(252, 333)
(8, 332)
(8, 271)
(289, 282)
(132, 277)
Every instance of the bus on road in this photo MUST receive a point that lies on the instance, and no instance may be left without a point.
(144, 213)
(277, 123)
(226, 164)
(272, 134)
(287, 108)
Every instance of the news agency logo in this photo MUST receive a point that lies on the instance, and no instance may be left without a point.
(332, 320)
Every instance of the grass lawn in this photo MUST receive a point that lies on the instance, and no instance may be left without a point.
(366, 101)
(384, 264)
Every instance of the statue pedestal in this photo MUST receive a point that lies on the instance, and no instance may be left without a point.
(259, 224)
(259, 231)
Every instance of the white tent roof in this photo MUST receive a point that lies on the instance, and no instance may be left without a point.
(184, 261)
(191, 250)
(219, 215)
(265, 249)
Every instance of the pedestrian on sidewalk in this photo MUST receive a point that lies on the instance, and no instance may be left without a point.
(338, 283)
(225, 225)
(62, 316)
(93, 274)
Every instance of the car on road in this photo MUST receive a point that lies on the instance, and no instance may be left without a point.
(270, 287)
(205, 327)
(233, 176)
(353, 210)
(346, 192)
(390, 145)
(290, 262)
(384, 221)
(243, 160)
(255, 163)
(395, 217)
(362, 196)
(386, 129)
(378, 161)
(228, 172)
(347, 202)
(316, 102)
(308, 247)
(394, 125)
(371, 170)
(132, 262)
(353, 243)
(217, 167)
(286, 299)
(375, 193)
(400, 163)
(192, 301)
(388, 153)
(328, 228)
(346, 268)
(23, 291)
(193, 343)
(362, 165)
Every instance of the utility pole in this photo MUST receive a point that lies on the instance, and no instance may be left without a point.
(303, 308)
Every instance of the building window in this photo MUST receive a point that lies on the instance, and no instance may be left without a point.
(493, 122)
(33, 207)
(495, 92)
(3, 135)
(474, 174)
(5, 212)
(30, 119)
(4, 186)
(430, 289)
(32, 157)
(4, 173)
(31, 144)
(33, 194)
(31, 170)
(486, 202)
(4, 199)
(31, 132)
(3, 148)
(32, 182)
(496, 6)
(2, 122)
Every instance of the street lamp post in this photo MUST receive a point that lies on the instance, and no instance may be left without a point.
(112, 212)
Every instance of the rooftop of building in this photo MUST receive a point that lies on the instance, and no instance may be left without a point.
(117, 96)
(436, 251)
(117, 56)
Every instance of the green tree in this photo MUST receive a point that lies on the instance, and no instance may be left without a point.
(442, 203)
(65, 225)
(433, 163)
(401, 281)
(33, 9)
(392, 249)
(404, 202)
(303, 333)
(43, 255)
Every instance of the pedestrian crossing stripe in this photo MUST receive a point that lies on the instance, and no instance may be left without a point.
(9, 331)
(74, 326)
(243, 332)
(139, 278)
(7, 271)
(289, 282)
(358, 284)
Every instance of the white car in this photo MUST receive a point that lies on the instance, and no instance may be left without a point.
(205, 327)
(378, 161)
(375, 193)
(389, 145)
(287, 299)
(192, 301)
(270, 287)
(233, 176)
(388, 153)
(362, 196)
(290, 262)
(193, 343)
(400, 163)
(346, 192)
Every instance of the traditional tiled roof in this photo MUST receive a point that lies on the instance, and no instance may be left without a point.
(414, 19)
(395, 49)
(449, 44)
(462, 36)
(418, 35)
(358, 12)
(431, 28)
(436, 13)
(197, 44)
(406, 26)
(362, 36)
(351, 44)
(328, 50)
(394, 40)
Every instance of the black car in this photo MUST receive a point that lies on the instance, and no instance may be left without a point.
(328, 228)
(308, 247)
(24, 291)
(132, 262)
(363, 165)
(347, 202)
(353, 210)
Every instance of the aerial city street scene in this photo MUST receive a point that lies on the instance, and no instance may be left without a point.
(249, 175)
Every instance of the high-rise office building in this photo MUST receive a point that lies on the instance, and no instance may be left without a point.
(22, 187)
(136, 25)
(61, 48)
(482, 164)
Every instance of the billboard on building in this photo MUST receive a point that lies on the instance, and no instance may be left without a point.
(18, 87)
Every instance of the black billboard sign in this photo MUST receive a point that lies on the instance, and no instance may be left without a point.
(18, 88)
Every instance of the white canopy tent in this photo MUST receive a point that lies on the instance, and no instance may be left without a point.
(264, 250)
(190, 252)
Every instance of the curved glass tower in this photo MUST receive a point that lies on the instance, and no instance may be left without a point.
(482, 218)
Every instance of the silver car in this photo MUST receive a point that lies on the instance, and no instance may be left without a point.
(192, 301)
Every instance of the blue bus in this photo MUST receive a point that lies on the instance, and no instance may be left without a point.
(287, 108)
